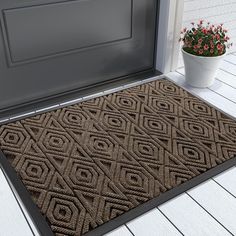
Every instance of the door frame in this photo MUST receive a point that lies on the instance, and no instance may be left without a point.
(169, 25)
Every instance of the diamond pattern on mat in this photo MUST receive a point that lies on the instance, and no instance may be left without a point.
(88, 163)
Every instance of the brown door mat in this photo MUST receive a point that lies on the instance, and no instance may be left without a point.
(112, 158)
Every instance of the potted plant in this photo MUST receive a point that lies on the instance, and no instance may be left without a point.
(204, 46)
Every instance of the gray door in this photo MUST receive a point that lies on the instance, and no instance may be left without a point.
(48, 47)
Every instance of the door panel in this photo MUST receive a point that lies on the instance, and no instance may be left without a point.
(48, 47)
(56, 28)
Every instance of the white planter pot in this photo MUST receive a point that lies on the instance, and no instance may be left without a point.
(200, 71)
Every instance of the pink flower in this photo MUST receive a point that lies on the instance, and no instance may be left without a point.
(219, 47)
(200, 40)
(206, 47)
(200, 51)
(211, 51)
(217, 36)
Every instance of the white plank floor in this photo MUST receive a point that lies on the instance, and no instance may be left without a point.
(208, 209)
(12, 220)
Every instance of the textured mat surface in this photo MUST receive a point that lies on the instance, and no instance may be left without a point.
(91, 162)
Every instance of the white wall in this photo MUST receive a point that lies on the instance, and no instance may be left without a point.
(215, 11)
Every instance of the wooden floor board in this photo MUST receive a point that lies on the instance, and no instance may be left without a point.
(191, 219)
(218, 202)
(12, 220)
(26, 214)
(224, 90)
(231, 58)
(229, 67)
(153, 223)
(227, 180)
(227, 78)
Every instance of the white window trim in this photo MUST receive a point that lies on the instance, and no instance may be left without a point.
(169, 27)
